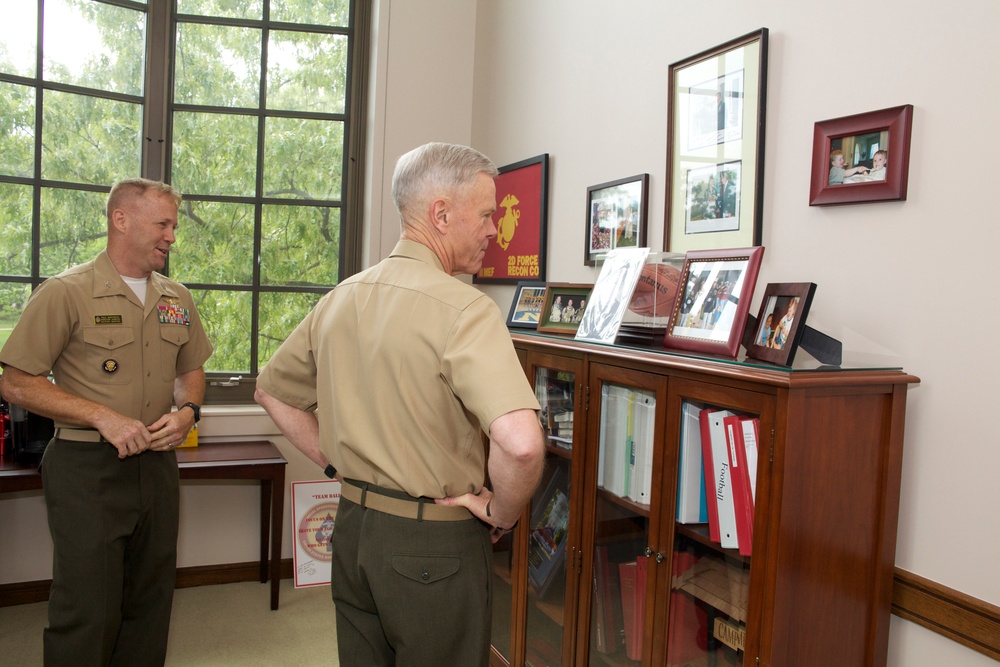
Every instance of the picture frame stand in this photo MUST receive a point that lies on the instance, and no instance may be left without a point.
(823, 348)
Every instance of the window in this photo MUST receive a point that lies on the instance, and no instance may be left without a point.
(246, 107)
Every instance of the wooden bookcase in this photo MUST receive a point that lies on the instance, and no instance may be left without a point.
(817, 589)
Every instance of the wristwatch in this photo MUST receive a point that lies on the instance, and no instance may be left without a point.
(195, 408)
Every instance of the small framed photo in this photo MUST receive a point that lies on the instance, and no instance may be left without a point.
(781, 321)
(518, 252)
(616, 216)
(713, 301)
(526, 309)
(563, 307)
(861, 158)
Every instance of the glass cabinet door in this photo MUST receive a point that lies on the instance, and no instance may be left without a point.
(623, 572)
(536, 572)
(718, 460)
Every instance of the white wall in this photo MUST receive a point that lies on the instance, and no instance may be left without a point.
(913, 281)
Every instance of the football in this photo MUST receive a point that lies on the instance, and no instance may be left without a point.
(655, 290)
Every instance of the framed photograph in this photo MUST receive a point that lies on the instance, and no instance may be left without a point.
(716, 102)
(526, 309)
(861, 158)
(712, 305)
(612, 294)
(564, 307)
(781, 321)
(519, 250)
(616, 217)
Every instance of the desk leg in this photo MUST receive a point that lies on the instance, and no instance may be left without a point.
(266, 491)
(278, 515)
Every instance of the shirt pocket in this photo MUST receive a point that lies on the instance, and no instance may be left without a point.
(111, 355)
(173, 338)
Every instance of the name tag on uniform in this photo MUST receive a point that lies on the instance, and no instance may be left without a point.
(107, 319)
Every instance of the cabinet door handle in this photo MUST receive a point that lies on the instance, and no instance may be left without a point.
(649, 551)
(660, 557)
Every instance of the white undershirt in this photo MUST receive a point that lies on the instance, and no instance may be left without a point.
(138, 286)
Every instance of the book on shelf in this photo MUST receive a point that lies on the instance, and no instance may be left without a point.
(609, 627)
(633, 588)
(751, 428)
(687, 629)
(692, 504)
(640, 462)
(549, 525)
(564, 416)
(708, 465)
(731, 634)
(613, 445)
(742, 496)
(723, 479)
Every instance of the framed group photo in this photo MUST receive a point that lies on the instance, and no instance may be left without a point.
(518, 252)
(716, 103)
(563, 307)
(861, 158)
(713, 303)
(526, 308)
(781, 321)
(616, 216)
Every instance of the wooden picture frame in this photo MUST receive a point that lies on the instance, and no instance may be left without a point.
(526, 308)
(518, 252)
(713, 300)
(716, 104)
(781, 321)
(563, 295)
(857, 142)
(616, 217)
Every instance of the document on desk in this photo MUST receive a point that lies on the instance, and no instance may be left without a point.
(314, 510)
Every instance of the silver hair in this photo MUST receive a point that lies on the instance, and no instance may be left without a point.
(433, 169)
(137, 187)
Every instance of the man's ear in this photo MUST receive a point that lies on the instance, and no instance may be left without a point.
(119, 220)
(439, 215)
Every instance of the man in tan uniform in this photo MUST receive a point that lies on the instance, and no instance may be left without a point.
(392, 379)
(123, 344)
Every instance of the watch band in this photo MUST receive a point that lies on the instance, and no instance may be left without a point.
(194, 408)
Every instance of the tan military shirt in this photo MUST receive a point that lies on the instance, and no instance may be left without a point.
(88, 328)
(406, 366)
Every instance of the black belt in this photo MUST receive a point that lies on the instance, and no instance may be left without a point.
(399, 504)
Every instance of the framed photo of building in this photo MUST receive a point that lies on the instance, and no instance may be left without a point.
(716, 102)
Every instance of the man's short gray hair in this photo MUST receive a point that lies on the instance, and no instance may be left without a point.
(434, 169)
(127, 188)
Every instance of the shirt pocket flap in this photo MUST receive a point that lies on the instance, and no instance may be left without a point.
(109, 338)
(426, 569)
(176, 334)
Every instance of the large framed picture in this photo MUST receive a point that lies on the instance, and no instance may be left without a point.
(563, 307)
(526, 308)
(519, 250)
(781, 321)
(861, 158)
(716, 102)
(711, 311)
(616, 216)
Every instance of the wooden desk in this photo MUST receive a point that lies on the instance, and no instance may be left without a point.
(229, 460)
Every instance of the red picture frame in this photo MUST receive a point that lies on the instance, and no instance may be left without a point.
(713, 300)
(518, 252)
(859, 139)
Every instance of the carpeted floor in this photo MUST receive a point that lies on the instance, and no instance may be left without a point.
(212, 626)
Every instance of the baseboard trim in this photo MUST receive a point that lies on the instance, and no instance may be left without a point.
(953, 614)
(28, 592)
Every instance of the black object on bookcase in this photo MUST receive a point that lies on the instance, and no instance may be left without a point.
(824, 349)
(30, 433)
